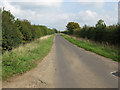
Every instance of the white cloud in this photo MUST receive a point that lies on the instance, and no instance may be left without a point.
(38, 2)
(54, 17)
(91, 14)
(99, 4)
(53, 3)
(98, 0)
(18, 12)
(47, 1)
(90, 17)
(7, 6)
(95, 5)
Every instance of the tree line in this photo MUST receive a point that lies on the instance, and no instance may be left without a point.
(98, 33)
(16, 31)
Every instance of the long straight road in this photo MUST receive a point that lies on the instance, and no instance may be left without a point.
(68, 66)
(77, 68)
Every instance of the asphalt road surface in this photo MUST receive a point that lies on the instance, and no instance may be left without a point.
(77, 68)
(68, 66)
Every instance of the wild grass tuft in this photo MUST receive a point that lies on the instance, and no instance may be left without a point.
(24, 57)
(97, 48)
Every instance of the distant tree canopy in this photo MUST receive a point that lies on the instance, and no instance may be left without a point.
(99, 33)
(15, 32)
(72, 26)
(55, 30)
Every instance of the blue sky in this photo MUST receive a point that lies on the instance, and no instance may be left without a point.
(57, 14)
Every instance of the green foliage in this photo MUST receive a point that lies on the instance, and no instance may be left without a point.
(24, 57)
(103, 51)
(55, 30)
(100, 33)
(10, 33)
(71, 26)
(0, 29)
(100, 28)
(16, 32)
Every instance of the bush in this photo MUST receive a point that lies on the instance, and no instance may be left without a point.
(99, 33)
(15, 32)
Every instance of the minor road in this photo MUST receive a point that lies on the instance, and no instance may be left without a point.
(77, 68)
(68, 66)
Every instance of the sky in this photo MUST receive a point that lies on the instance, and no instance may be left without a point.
(57, 13)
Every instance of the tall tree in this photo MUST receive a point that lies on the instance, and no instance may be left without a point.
(10, 34)
(100, 28)
(71, 26)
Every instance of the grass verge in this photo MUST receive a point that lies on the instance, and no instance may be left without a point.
(98, 49)
(25, 57)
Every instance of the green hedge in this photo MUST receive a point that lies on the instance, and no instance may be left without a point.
(98, 33)
(16, 31)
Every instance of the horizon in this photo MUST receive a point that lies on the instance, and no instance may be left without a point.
(58, 14)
